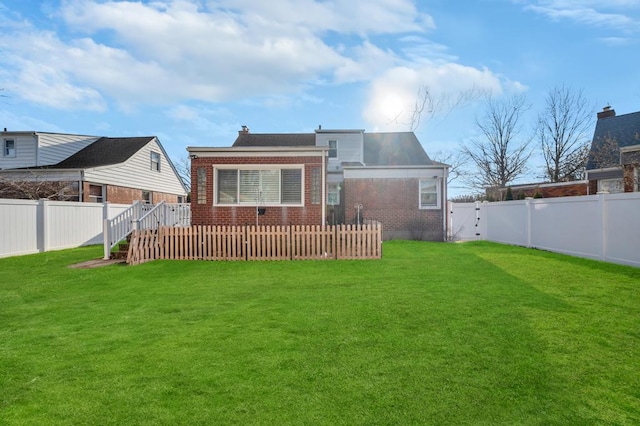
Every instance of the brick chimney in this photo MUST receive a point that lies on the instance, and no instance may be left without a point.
(606, 112)
(244, 131)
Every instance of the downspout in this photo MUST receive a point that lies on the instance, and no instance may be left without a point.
(445, 206)
(81, 187)
(324, 184)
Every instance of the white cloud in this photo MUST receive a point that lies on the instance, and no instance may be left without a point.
(392, 97)
(620, 15)
(174, 50)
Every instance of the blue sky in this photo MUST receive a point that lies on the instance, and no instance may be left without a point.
(192, 72)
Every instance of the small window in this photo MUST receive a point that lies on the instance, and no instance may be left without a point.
(9, 149)
(96, 193)
(333, 149)
(202, 185)
(612, 186)
(155, 161)
(316, 185)
(146, 197)
(429, 190)
(333, 195)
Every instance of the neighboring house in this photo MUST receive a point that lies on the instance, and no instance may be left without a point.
(325, 177)
(614, 159)
(542, 189)
(88, 168)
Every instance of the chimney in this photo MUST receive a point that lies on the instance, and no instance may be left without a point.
(244, 131)
(606, 112)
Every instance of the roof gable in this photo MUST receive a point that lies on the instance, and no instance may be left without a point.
(394, 149)
(623, 129)
(104, 152)
(380, 149)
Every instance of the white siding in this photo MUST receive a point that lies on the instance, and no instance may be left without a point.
(55, 147)
(350, 147)
(25, 152)
(393, 172)
(136, 173)
(42, 175)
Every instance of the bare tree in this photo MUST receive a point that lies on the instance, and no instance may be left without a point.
(501, 155)
(562, 131)
(36, 187)
(427, 105)
(455, 160)
(183, 167)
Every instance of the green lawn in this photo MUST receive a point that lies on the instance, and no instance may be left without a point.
(434, 333)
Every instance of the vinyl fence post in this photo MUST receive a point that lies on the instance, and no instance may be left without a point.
(529, 206)
(44, 206)
(602, 200)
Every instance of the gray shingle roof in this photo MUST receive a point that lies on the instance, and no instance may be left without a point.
(380, 149)
(275, 139)
(104, 152)
(624, 129)
(394, 149)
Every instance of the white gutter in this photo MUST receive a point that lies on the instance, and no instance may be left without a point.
(445, 206)
(324, 189)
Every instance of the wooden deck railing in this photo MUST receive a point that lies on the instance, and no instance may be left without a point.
(256, 243)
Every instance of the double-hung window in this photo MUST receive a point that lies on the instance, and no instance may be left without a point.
(9, 148)
(155, 161)
(333, 149)
(429, 194)
(259, 186)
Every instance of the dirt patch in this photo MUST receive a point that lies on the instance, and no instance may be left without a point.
(96, 263)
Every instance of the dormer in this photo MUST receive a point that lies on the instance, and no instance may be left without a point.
(346, 147)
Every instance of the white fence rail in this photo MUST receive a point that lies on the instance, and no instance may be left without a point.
(143, 216)
(603, 226)
(36, 226)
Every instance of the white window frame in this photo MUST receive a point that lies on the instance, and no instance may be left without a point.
(5, 148)
(149, 199)
(95, 198)
(333, 194)
(155, 161)
(636, 183)
(605, 185)
(333, 150)
(258, 202)
(429, 181)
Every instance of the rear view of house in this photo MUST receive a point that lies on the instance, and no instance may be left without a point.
(325, 177)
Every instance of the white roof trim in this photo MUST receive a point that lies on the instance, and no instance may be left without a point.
(251, 151)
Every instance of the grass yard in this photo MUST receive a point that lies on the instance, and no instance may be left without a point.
(474, 333)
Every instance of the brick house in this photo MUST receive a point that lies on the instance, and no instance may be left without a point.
(614, 159)
(88, 168)
(325, 177)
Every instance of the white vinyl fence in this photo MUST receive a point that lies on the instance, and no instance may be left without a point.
(36, 226)
(603, 226)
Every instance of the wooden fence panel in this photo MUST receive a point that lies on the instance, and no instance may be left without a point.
(257, 243)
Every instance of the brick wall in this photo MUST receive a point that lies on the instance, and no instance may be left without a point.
(124, 195)
(210, 214)
(394, 202)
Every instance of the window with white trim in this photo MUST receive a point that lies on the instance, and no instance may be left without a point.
(333, 149)
(201, 185)
(147, 197)
(429, 194)
(155, 161)
(9, 148)
(259, 186)
(612, 186)
(333, 194)
(96, 193)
